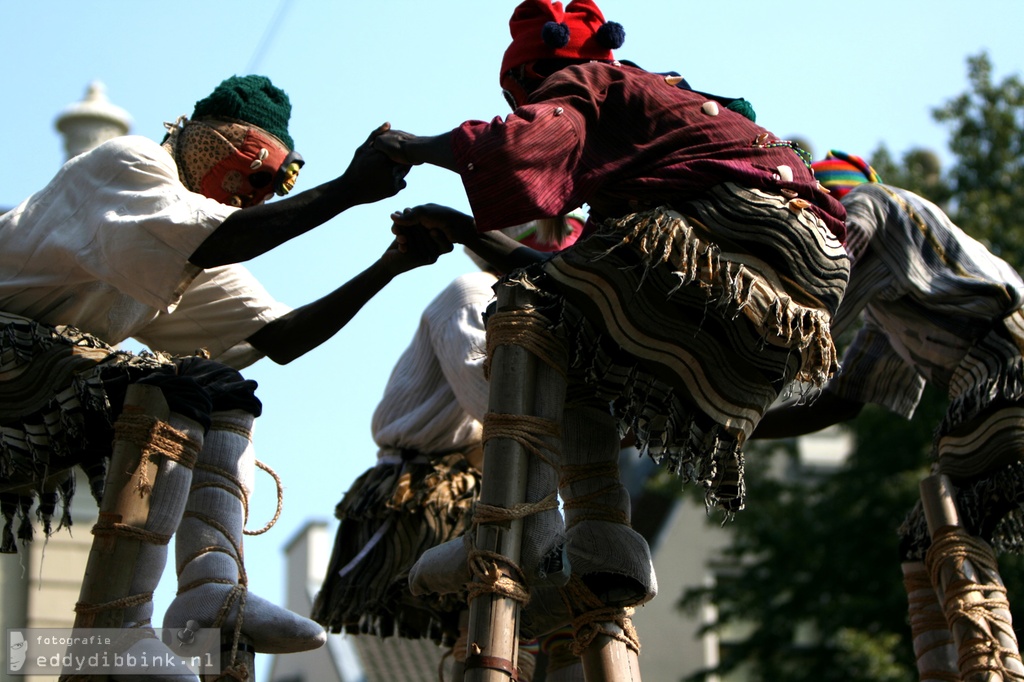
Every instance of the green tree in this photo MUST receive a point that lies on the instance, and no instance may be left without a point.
(987, 138)
(812, 573)
(920, 171)
(812, 578)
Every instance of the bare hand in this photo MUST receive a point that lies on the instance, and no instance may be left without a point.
(415, 247)
(457, 227)
(392, 143)
(371, 174)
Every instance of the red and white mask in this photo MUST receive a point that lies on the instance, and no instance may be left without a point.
(234, 163)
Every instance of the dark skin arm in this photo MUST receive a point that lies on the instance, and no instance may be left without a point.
(253, 231)
(305, 328)
(787, 422)
(501, 251)
(404, 148)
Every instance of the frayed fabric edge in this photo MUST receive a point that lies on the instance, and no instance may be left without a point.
(663, 236)
(1007, 385)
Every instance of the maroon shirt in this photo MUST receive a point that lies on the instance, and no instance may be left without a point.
(619, 139)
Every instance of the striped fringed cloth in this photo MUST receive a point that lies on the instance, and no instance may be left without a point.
(54, 415)
(990, 509)
(691, 320)
(393, 513)
(978, 443)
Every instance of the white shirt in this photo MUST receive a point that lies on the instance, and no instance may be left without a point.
(104, 247)
(437, 395)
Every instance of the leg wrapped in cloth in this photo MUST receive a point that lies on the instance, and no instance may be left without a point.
(450, 566)
(612, 559)
(212, 583)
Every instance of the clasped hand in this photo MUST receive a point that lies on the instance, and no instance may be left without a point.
(445, 225)
(374, 174)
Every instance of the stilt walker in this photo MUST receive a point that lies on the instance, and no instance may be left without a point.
(151, 235)
(597, 509)
(681, 311)
(910, 263)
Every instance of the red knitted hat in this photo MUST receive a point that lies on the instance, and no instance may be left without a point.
(541, 29)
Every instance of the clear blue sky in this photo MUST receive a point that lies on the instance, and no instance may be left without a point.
(846, 75)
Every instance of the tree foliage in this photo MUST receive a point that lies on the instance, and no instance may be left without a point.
(813, 567)
(920, 171)
(987, 138)
(811, 580)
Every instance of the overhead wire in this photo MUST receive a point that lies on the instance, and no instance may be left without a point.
(268, 36)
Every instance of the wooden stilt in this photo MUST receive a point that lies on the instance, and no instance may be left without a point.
(609, 659)
(457, 672)
(517, 389)
(111, 564)
(493, 641)
(967, 581)
(934, 647)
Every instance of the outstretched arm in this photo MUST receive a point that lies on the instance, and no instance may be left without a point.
(250, 232)
(305, 328)
(501, 251)
(826, 410)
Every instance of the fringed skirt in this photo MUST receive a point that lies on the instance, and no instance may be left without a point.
(691, 320)
(55, 414)
(980, 444)
(391, 515)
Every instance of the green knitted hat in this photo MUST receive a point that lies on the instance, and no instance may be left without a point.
(252, 99)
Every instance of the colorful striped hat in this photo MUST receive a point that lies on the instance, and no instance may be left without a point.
(839, 172)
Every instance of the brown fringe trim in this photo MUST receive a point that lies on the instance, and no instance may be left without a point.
(663, 236)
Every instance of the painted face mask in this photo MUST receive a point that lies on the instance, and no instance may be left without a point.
(235, 163)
